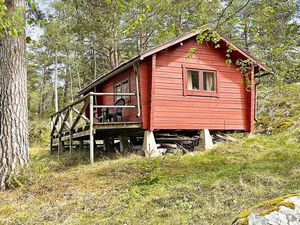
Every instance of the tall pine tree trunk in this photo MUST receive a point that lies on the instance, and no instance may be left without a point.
(13, 102)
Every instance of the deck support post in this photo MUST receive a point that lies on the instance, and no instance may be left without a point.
(70, 130)
(205, 141)
(60, 145)
(91, 129)
(51, 139)
(81, 145)
(124, 143)
(106, 144)
(149, 145)
(71, 142)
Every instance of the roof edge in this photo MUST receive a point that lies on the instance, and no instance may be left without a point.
(159, 48)
(110, 74)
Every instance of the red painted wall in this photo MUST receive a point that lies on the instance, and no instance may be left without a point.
(164, 104)
(171, 109)
(129, 115)
(145, 74)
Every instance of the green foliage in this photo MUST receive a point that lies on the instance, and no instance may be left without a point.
(11, 23)
(229, 50)
(278, 108)
(209, 36)
(39, 132)
(190, 53)
(244, 66)
(149, 173)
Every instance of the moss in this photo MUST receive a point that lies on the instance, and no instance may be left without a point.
(266, 208)
(243, 221)
(275, 207)
(7, 209)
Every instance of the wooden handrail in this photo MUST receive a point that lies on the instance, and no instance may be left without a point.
(63, 119)
(70, 105)
(112, 94)
(114, 106)
(94, 94)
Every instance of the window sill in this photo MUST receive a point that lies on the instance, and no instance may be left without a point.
(202, 94)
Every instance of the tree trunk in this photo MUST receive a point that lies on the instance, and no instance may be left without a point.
(246, 38)
(66, 88)
(56, 84)
(42, 103)
(13, 102)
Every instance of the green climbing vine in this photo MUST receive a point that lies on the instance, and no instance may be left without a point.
(244, 66)
(229, 50)
(211, 36)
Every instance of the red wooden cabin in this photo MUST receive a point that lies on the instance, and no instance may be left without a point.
(178, 92)
(173, 91)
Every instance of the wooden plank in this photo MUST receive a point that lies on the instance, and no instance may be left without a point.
(195, 126)
(117, 125)
(113, 94)
(252, 97)
(54, 125)
(80, 115)
(174, 139)
(145, 77)
(114, 106)
(72, 104)
(81, 134)
(153, 90)
(136, 75)
(64, 120)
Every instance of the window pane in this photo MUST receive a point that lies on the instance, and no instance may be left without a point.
(118, 89)
(125, 87)
(209, 81)
(193, 80)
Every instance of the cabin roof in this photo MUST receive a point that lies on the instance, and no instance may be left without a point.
(143, 55)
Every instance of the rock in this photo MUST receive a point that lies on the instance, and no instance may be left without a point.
(280, 211)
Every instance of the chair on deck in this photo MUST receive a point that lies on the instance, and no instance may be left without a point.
(118, 111)
(108, 116)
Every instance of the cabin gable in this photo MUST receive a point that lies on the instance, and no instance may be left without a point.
(172, 107)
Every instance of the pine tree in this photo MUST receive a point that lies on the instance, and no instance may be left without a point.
(13, 91)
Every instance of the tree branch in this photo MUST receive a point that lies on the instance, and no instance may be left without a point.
(223, 12)
(240, 9)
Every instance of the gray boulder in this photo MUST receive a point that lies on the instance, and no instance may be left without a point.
(280, 211)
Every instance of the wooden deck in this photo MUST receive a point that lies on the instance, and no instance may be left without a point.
(72, 123)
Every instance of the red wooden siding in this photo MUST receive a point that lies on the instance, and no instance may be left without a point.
(129, 114)
(170, 109)
(145, 74)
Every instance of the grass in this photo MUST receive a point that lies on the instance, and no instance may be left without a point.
(205, 188)
(210, 187)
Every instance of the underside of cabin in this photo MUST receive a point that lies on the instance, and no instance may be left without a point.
(163, 90)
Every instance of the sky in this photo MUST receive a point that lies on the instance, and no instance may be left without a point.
(35, 32)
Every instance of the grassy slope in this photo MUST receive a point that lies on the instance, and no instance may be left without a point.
(207, 188)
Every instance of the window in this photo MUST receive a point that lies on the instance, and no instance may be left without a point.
(193, 80)
(209, 81)
(125, 86)
(200, 82)
(118, 89)
(122, 88)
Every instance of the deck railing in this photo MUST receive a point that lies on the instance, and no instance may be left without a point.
(67, 120)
